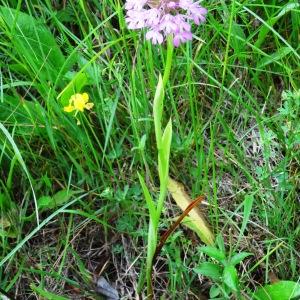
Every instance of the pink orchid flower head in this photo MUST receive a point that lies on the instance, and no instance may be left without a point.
(163, 18)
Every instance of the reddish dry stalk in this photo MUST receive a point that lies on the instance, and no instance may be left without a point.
(166, 235)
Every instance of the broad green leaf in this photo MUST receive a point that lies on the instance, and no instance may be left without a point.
(213, 252)
(60, 198)
(282, 290)
(237, 258)
(152, 242)
(278, 55)
(237, 36)
(76, 84)
(45, 202)
(183, 201)
(33, 41)
(210, 270)
(214, 291)
(265, 28)
(230, 277)
(152, 230)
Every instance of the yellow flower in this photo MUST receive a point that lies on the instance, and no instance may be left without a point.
(79, 102)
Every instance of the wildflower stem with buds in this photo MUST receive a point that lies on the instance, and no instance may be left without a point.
(163, 144)
(164, 20)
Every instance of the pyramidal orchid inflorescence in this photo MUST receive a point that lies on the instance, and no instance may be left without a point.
(164, 18)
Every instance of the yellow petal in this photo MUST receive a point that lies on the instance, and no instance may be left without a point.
(79, 104)
(89, 105)
(80, 108)
(69, 108)
(85, 97)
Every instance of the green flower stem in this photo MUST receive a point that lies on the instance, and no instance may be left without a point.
(168, 66)
(166, 76)
(163, 141)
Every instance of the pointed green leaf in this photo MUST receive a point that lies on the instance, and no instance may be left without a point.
(164, 153)
(210, 270)
(220, 242)
(157, 110)
(237, 258)
(45, 202)
(213, 252)
(62, 197)
(214, 291)
(148, 198)
(276, 56)
(248, 202)
(56, 200)
(230, 277)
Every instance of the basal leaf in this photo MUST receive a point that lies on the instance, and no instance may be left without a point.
(34, 42)
(183, 201)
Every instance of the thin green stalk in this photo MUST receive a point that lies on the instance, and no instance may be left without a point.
(163, 142)
(168, 65)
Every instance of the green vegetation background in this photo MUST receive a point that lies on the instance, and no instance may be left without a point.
(236, 134)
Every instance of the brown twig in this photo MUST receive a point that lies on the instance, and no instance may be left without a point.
(166, 235)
